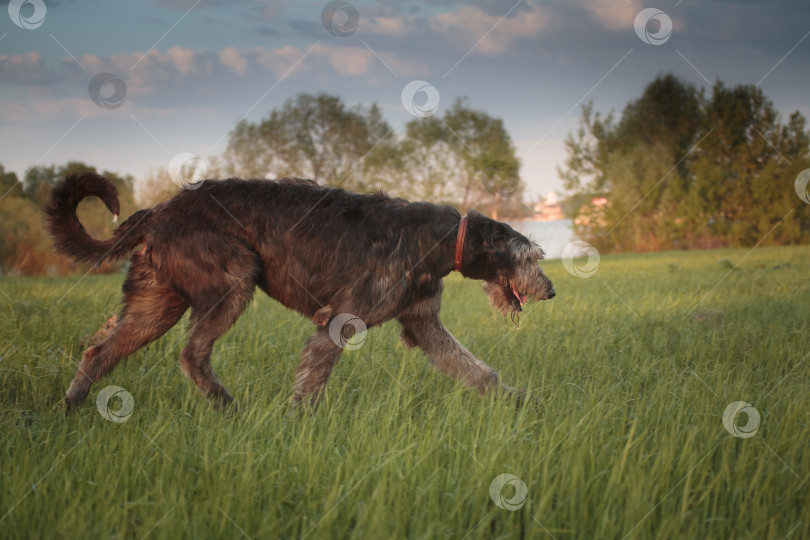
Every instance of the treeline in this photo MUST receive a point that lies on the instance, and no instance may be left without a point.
(464, 156)
(681, 169)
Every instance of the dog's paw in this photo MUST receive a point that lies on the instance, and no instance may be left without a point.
(231, 409)
(223, 401)
(70, 405)
(74, 397)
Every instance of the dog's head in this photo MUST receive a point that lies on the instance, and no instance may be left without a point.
(507, 262)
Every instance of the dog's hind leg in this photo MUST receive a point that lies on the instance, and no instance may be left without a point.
(421, 327)
(315, 366)
(209, 321)
(150, 310)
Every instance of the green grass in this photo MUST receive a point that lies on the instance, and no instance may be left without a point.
(632, 369)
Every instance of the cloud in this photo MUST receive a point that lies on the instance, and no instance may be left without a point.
(280, 61)
(233, 59)
(613, 15)
(180, 76)
(182, 59)
(24, 68)
(467, 25)
(184, 5)
(347, 61)
(498, 25)
(388, 25)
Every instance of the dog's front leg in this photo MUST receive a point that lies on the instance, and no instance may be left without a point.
(317, 360)
(447, 354)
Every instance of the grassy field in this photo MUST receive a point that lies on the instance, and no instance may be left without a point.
(632, 369)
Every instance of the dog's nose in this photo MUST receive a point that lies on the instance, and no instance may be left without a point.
(551, 294)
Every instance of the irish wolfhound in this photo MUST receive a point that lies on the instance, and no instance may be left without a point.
(324, 252)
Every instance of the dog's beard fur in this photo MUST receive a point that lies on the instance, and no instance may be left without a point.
(524, 284)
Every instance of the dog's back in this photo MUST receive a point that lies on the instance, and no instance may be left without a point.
(307, 240)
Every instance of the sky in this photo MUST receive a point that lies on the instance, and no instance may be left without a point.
(127, 86)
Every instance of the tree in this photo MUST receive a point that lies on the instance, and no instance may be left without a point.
(38, 181)
(483, 148)
(668, 113)
(680, 170)
(639, 214)
(666, 116)
(466, 156)
(317, 137)
(745, 166)
(157, 186)
(8, 181)
(24, 248)
(430, 168)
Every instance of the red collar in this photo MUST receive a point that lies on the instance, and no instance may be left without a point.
(462, 234)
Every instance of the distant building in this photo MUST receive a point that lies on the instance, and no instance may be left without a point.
(548, 209)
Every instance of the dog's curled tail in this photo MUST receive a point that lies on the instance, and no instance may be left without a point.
(69, 236)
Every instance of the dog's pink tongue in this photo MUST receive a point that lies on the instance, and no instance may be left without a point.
(521, 297)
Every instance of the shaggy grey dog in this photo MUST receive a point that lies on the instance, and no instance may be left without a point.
(332, 255)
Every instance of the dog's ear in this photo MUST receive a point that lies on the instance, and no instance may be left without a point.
(485, 234)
